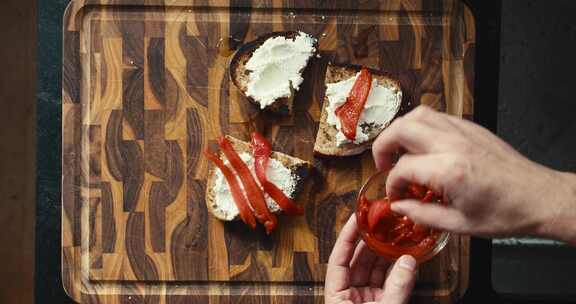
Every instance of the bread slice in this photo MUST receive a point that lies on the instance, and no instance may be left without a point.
(325, 144)
(240, 75)
(299, 169)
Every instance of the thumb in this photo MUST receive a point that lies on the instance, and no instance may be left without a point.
(400, 281)
(431, 215)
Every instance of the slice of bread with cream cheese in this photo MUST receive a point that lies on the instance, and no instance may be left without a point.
(284, 171)
(268, 70)
(381, 107)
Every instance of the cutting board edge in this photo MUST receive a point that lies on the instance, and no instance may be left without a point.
(73, 12)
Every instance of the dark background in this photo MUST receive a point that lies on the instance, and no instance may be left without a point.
(535, 114)
(537, 108)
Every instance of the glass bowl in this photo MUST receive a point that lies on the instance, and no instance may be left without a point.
(375, 188)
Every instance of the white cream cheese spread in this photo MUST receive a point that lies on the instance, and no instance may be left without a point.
(382, 104)
(277, 174)
(276, 66)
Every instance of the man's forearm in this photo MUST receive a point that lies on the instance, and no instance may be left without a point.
(559, 222)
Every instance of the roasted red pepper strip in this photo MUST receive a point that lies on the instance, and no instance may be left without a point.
(253, 191)
(430, 195)
(378, 210)
(237, 193)
(261, 150)
(416, 191)
(349, 112)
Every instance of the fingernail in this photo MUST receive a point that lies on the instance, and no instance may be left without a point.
(407, 262)
(396, 207)
(400, 206)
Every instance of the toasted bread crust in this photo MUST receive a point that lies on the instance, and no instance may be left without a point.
(298, 167)
(325, 145)
(239, 74)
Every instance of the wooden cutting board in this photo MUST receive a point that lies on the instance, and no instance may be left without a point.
(146, 88)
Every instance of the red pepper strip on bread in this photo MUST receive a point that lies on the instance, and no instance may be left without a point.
(253, 191)
(237, 194)
(349, 112)
(261, 150)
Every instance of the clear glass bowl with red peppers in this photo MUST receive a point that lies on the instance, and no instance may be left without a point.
(392, 235)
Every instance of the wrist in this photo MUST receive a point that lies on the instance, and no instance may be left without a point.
(559, 210)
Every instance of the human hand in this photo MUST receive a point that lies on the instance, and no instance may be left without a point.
(355, 274)
(492, 189)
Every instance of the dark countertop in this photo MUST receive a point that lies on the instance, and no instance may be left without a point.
(533, 114)
(48, 285)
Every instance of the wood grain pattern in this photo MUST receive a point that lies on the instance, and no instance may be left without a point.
(146, 89)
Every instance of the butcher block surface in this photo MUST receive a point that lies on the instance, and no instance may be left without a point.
(146, 89)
